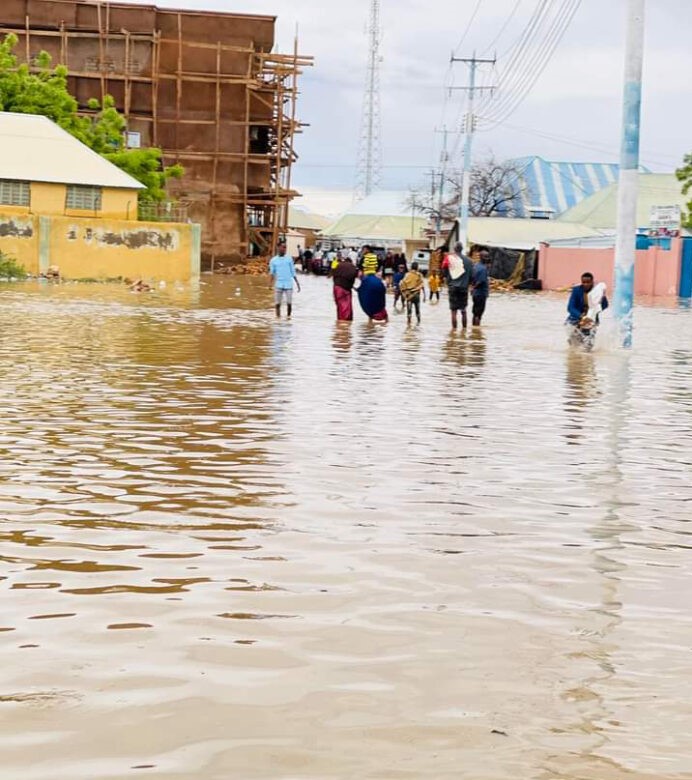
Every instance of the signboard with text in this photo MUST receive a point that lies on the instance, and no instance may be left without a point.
(665, 220)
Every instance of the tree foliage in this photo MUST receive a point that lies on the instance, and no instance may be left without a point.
(497, 188)
(684, 175)
(43, 90)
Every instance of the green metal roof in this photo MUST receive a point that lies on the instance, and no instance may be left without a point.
(599, 210)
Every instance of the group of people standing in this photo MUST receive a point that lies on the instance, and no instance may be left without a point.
(457, 270)
(365, 275)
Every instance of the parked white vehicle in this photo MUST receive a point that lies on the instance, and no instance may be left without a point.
(422, 257)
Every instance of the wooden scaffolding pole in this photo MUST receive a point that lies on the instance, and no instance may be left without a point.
(128, 83)
(294, 97)
(63, 45)
(245, 228)
(155, 86)
(179, 83)
(215, 169)
(27, 42)
(277, 172)
(102, 75)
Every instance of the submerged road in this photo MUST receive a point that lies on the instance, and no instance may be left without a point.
(237, 548)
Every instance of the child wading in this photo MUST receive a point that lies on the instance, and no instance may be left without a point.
(396, 281)
(434, 285)
(411, 286)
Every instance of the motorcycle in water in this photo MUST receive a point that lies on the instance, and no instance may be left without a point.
(583, 334)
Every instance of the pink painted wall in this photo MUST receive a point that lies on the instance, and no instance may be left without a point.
(656, 270)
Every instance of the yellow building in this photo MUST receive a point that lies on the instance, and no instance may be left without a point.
(61, 204)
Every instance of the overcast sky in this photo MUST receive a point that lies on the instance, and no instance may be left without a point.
(577, 100)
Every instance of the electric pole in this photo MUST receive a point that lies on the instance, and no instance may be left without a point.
(469, 129)
(369, 152)
(628, 186)
(444, 159)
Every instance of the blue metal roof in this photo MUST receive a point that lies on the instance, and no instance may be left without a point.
(557, 186)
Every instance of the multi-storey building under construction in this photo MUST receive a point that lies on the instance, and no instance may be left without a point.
(203, 86)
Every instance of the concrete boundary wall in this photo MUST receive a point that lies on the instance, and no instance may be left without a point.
(656, 270)
(103, 248)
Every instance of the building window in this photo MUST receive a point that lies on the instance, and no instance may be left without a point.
(14, 193)
(259, 139)
(84, 198)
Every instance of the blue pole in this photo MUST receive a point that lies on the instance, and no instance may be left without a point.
(625, 248)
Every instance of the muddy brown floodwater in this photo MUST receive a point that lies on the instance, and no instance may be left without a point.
(236, 548)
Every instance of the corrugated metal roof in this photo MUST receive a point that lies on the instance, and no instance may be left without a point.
(600, 210)
(33, 148)
(559, 186)
(522, 233)
(368, 227)
(308, 220)
(491, 231)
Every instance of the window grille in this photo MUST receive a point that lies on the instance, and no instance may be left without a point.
(14, 193)
(82, 197)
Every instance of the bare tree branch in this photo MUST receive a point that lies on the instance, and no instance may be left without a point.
(497, 188)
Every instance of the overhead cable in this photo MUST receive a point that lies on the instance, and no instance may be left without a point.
(508, 21)
(535, 64)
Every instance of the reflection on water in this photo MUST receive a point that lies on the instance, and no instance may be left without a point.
(236, 547)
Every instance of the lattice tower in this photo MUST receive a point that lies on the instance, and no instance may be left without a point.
(369, 148)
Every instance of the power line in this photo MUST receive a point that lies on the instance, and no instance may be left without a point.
(592, 147)
(526, 48)
(535, 63)
(523, 42)
(508, 21)
(538, 60)
(468, 26)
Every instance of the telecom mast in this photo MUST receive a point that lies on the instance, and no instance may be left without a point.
(369, 150)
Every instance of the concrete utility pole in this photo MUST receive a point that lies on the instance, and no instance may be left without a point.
(469, 129)
(628, 185)
(443, 175)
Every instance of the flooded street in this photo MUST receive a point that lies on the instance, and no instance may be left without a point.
(237, 548)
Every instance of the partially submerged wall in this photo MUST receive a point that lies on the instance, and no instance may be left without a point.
(19, 239)
(104, 248)
(656, 270)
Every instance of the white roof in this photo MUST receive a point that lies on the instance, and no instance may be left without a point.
(33, 148)
(523, 233)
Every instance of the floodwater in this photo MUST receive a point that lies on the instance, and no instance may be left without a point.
(237, 548)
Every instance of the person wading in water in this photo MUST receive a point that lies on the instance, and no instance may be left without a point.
(411, 286)
(481, 287)
(344, 277)
(457, 270)
(283, 275)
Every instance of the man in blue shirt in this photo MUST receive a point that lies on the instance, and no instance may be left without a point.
(578, 304)
(283, 273)
(481, 287)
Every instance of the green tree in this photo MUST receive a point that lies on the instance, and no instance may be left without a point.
(105, 134)
(43, 90)
(684, 175)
